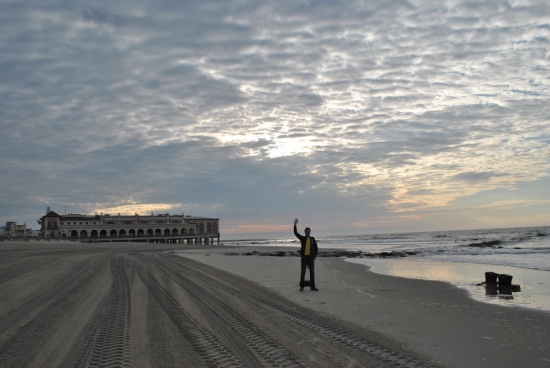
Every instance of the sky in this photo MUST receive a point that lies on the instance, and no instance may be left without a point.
(356, 117)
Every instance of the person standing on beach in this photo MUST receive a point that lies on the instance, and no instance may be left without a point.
(308, 253)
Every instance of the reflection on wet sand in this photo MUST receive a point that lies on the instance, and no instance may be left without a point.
(503, 292)
(535, 285)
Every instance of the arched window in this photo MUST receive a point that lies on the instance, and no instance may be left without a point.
(110, 223)
(183, 231)
(74, 233)
(149, 231)
(93, 234)
(103, 233)
(175, 231)
(112, 234)
(215, 228)
(132, 232)
(141, 232)
(191, 231)
(208, 228)
(166, 232)
(201, 228)
(158, 232)
(122, 232)
(83, 234)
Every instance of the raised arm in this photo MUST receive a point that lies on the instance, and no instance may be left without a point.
(295, 230)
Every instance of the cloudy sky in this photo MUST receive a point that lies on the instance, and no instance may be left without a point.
(354, 116)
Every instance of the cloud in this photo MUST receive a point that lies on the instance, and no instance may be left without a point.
(98, 16)
(476, 176)
(142, 208)
(511, 204)
(264, 109)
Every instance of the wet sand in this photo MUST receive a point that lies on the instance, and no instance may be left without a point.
(435, 319)
(534, 285)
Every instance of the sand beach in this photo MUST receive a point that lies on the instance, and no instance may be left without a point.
(164, 305)
(435, 319)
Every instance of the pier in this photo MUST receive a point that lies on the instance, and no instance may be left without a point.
(169, 239)
(160, 228)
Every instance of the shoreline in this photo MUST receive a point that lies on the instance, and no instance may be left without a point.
(535, 287)
(433, 318)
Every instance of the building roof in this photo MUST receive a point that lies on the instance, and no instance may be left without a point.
(79, 217)
(51, 214)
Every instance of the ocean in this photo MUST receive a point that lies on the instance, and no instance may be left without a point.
(449, 256)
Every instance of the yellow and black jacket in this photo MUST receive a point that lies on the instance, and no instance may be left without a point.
(313, 244)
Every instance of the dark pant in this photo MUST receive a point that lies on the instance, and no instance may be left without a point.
(308, 262)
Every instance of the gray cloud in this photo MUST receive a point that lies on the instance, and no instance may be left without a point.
(476, 176)
(266, 109)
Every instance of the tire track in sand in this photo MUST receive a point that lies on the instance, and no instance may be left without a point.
(213, 352)
(220, 314)
(327, 330)
(40, 301)
(109, 342)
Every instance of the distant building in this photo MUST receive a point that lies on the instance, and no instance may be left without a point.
(105, 227)
(12, 229)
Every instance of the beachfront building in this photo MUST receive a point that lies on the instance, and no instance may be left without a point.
(163, 228)
(12, 229)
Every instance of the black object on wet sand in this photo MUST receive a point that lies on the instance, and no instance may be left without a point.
(501, 281)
